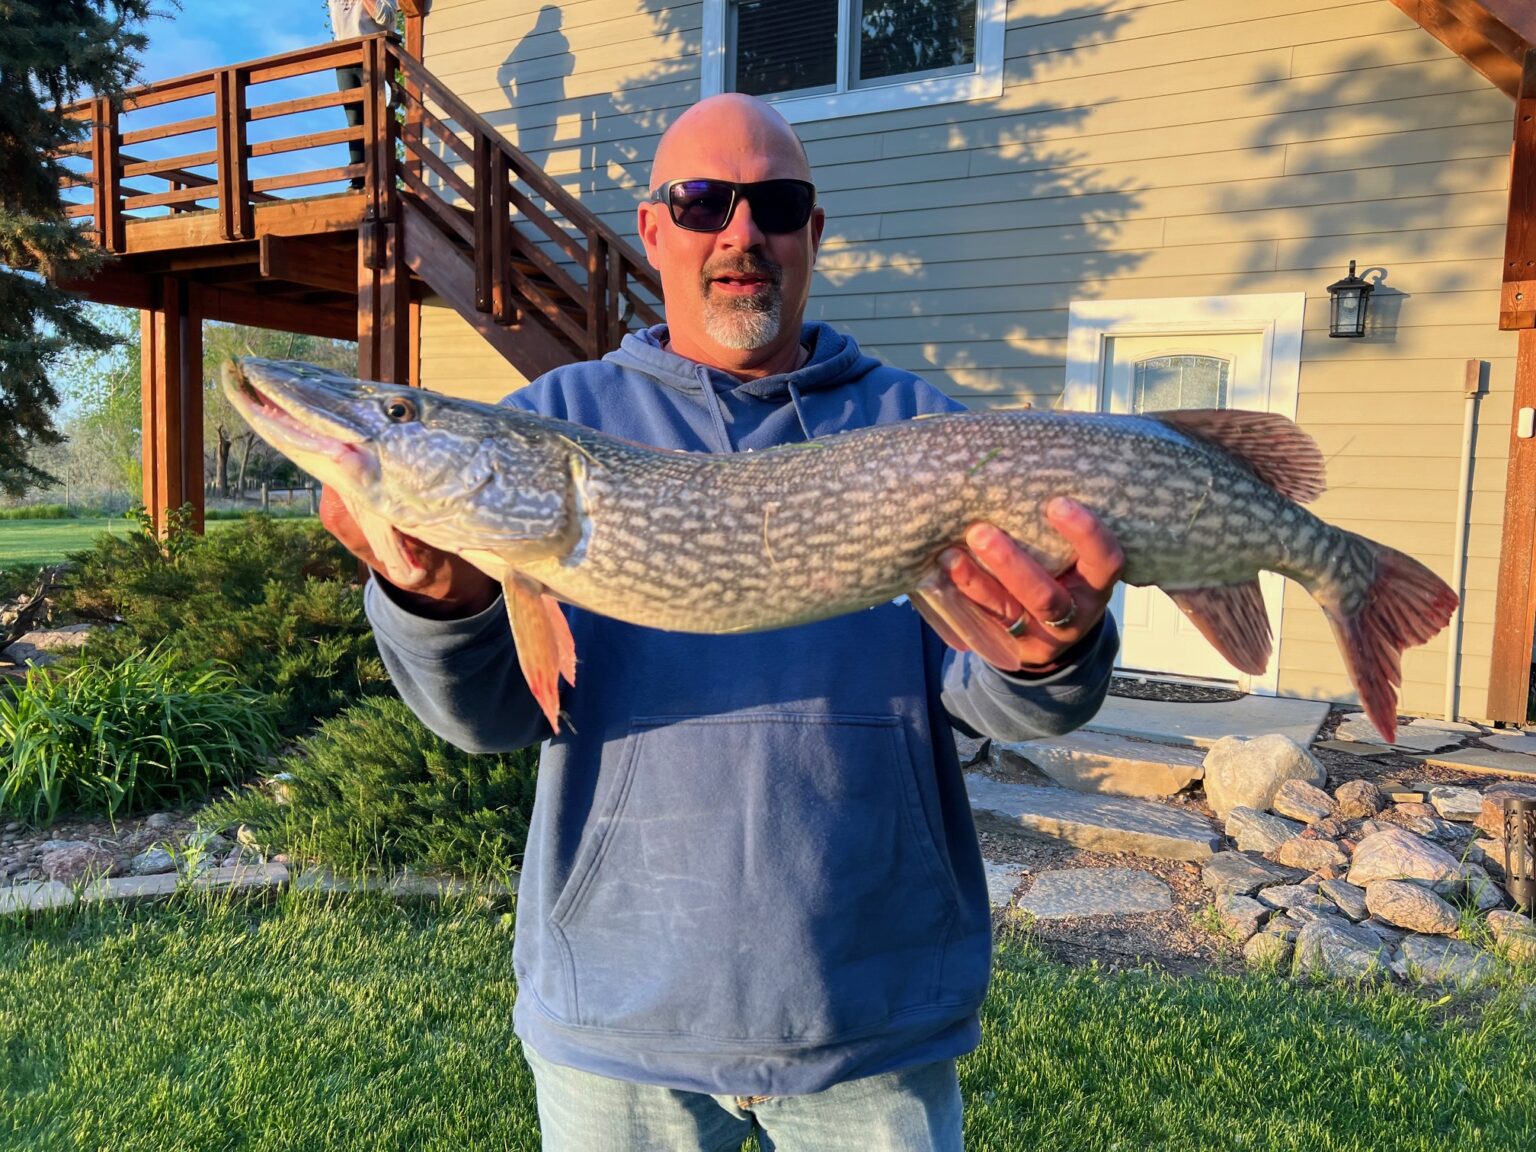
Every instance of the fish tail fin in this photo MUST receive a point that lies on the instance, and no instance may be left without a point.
(1407, 604)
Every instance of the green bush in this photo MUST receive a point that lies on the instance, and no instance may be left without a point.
(277, 601)
(374, 790)
(109, 739)
(40, 512)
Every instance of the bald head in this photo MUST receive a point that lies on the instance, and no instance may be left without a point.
(721, 126)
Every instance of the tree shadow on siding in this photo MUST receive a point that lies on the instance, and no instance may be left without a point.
(957, 233)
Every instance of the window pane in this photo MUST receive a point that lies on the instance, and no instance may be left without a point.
(785, 45)
(901, 36)
(1164, 383)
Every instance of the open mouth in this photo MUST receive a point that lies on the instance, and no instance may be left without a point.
(296, 428)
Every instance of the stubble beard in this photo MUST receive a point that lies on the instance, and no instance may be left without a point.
(743, 323)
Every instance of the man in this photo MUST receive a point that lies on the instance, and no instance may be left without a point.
(351, 18)
(752, 896)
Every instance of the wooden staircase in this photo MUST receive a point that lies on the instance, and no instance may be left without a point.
(205, 223)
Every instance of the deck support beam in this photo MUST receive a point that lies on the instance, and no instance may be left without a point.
(1509, 673)
(171, 366)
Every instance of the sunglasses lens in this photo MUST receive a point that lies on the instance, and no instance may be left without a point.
(706, 205)
(702, 205)
(780, 205)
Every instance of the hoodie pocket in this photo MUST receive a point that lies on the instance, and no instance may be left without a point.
(758, 877)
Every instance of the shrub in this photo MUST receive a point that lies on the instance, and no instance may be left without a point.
(40, 512)
(276, 601)
(125, 737)
(373, 789)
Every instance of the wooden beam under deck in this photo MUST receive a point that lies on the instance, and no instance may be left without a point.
(342, 212)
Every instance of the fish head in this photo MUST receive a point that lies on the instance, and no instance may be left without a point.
(457, 474)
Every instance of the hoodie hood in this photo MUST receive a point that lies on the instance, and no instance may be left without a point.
(756, 413)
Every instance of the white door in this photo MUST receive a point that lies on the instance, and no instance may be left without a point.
(1159, 373)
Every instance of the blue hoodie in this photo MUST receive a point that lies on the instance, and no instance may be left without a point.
(751, 868)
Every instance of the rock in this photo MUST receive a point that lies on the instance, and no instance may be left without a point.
(1069, 892)
(1371, 827)
(1098, 823)
(1480, 888)
(970, 749)
(1412, 809)
(1395, 854)
(1242, 916)
(34, 896)
(1488, 853)
(1461, 804)
(70, 860)
(1257, 831)
(1409, 739)
(1503, 921)
(1350, 898)
(158, 822)
(1490, 818)
(1411, 906)
(1293, 896)
(1302, 801)
(1002, 879)
(1435, 960)
(1511, 742)
(151, 862)
(1268, 951)
(1108, 764)
(1237, 874)
(1243, 773)
(1330, 827)
(1339, 949)
(1299, 852)
(1357, 800)
(1519, 948)
(1390, 933)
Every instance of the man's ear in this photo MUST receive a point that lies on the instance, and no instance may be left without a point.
(818, 224)
(647, 224)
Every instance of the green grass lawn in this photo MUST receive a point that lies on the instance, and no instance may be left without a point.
(25, 542)
(357, 1024)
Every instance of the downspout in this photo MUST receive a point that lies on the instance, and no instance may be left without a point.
(1472, 384)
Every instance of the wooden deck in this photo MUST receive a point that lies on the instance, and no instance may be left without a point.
(228, 195)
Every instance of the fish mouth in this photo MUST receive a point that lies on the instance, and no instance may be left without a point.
(306, 415)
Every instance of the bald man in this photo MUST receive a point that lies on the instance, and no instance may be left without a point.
(752, 898)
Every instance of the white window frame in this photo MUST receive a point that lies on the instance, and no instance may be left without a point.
(985, 82)
(1277, 316)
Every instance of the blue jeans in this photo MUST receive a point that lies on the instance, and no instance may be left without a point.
(913, 1110)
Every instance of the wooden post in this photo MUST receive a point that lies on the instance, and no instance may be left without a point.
(1509, 674)
(171, 355)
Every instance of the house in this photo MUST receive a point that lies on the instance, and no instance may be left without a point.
(1096, 204)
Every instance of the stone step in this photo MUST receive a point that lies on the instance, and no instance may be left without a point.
(1106, 764)
(1203, 724)
(1096, 823)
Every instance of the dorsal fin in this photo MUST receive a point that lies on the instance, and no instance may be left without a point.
(1269, 445)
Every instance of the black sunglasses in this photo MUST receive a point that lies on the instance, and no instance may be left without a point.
(706, 205)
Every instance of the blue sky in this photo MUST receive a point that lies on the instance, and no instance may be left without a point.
(209, 33)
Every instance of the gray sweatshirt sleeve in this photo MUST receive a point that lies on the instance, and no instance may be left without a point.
(985, 702)
(461, 677)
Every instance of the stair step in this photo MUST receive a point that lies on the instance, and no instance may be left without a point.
(1107, 764)
(1096, 823)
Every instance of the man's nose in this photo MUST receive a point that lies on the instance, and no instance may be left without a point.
(741, 230)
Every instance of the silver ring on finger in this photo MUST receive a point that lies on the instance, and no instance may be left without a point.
(1066, 619)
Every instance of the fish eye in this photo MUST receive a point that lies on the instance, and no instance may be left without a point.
(400, 410)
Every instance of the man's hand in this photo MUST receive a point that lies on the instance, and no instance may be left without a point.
(452, 588)
(1002, 578)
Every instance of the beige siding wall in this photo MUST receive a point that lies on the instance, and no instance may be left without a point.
(1138, 151)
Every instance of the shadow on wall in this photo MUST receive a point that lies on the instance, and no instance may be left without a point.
(951, 230)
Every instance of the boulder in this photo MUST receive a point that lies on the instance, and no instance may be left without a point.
(1396, 854)
(1411, 906)
(1461, 804)
(1349, 897)
(1300, 852)
(1246, 773)
(1357, 800)
(1337, 948)
(1302, 801)
(69, 860)
(1435, 960)
(1237, 874)
(1490, 818)
(1258, 831)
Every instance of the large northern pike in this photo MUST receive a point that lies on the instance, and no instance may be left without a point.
(1200, 501)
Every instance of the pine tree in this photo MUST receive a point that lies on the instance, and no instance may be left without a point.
(51, 53)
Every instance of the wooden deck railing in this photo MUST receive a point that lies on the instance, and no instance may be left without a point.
(533, 246)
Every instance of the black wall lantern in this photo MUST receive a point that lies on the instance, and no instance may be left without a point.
(1346, 305)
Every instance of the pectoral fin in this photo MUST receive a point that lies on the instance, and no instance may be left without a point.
(388, 546)
(546, 651)
(964, 625)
